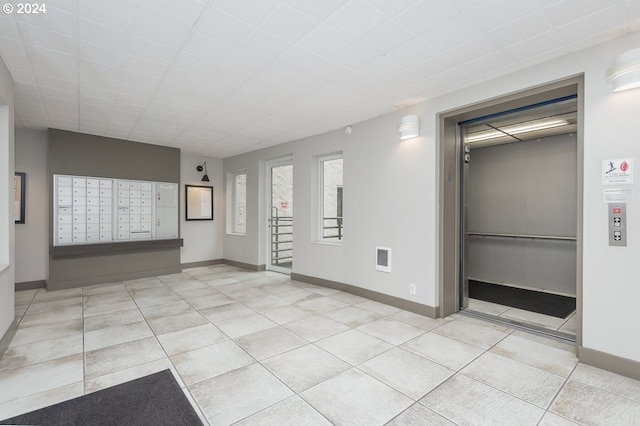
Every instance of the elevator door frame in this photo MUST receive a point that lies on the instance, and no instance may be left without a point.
(451, 226)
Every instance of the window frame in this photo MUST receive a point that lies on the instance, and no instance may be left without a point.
(232, 203)
(321, 198)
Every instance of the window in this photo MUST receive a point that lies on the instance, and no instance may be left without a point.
(237, 203)
(331, 198)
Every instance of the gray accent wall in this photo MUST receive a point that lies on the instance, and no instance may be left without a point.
(87, 155)
(525, 188)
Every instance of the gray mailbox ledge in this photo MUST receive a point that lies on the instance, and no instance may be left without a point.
(106, 249)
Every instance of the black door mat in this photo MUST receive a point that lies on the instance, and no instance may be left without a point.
(152, 400)
(528, 300)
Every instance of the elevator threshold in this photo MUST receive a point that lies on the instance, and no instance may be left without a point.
(531, 328)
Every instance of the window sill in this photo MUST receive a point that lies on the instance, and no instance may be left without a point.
(235, 234)
(328, 243)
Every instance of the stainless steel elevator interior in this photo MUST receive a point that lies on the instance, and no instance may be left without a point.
(519, 215)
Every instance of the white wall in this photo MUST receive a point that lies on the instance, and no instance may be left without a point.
(391, 198)
(202, 238)
(31, 237)
(7, 233)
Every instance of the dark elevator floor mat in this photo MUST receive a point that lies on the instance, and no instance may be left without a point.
(528, 300)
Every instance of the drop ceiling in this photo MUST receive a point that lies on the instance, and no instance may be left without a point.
(223, 77)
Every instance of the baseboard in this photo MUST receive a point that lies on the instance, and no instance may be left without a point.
(246, 266)
(407, 305)
(202, 263)
(30, 285)
(6, 339)
(615, 364)
(82, 282)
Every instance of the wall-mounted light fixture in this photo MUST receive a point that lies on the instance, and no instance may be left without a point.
(409, 127)
(625, 73)
(202, 167)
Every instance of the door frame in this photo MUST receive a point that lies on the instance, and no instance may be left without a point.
(449, 187)
(269, 165)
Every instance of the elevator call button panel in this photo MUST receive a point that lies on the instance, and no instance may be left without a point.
(618, 224)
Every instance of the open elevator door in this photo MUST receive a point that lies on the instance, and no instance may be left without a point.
(518, 213)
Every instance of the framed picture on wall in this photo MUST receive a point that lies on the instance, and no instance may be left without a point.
(198, 202)
(19, 191)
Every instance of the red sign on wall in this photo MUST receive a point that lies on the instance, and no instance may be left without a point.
(284, 204)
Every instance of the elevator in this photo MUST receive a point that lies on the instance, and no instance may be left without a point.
(511, 171)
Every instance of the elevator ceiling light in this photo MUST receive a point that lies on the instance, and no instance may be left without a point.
(625, 73)
(409, 127)
(515, 129)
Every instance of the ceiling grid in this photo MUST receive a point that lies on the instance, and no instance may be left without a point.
(223, 77)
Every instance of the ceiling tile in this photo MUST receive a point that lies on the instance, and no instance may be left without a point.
(152, 51)
(355, 55)
(222, 25)
(369, 17)
(591, 25)
(521, 29)
(55, 20)
(315, 8)
(289, 23)
(537, 45)
(115, 14)
(103, 35)
(564, 11)
(207, 47)
(325, 40)
(452, 33)
(252, 15)
(299, 57)
(413, 52)
(474, 48)
(52, 40)
(265, 43)
(427, 14)
(380, 68)
(393, 7)
(387, 37)
(160, 30)
(328, 70)
(100, 54)
(493, 13)
(145, 67)
(8, 28)
(185, 12)
(247, 61)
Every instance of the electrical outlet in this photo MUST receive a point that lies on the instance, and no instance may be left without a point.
(412, 289)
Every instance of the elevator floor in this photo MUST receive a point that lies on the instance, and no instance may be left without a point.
(564, 325)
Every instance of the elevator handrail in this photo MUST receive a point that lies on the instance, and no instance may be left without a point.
(525, 236)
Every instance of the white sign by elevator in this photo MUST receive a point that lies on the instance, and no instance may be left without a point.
(617, 172)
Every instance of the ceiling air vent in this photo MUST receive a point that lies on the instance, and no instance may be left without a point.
(383, 259)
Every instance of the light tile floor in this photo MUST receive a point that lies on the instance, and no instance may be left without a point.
(255, 348)
(565, 325)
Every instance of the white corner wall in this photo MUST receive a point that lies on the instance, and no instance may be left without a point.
(31, 237)
(202, 238)
(7, 221)
(391, 198)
